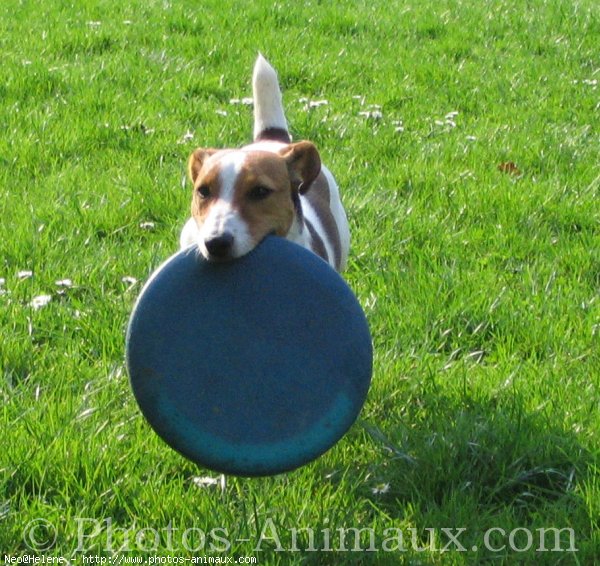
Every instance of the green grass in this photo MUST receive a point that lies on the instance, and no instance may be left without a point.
(480, 285)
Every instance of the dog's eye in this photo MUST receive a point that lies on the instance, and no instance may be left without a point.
(203, 191)
(259, 193)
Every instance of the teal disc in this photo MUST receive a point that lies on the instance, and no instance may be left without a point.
(249, 367)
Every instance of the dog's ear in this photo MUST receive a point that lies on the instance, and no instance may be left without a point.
(196, 161)
(303, 163)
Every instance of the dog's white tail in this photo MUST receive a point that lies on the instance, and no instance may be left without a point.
(269, 119)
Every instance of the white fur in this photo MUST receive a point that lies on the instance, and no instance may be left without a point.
(337, 209)
(268, 113)
(189, 234)
(268, 107)
(222, 216)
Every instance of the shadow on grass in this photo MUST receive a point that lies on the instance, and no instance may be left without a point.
(484, 466)
(504, 482)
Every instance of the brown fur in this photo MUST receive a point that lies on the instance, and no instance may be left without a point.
(318, 196)
(273, 214)
(291, 171)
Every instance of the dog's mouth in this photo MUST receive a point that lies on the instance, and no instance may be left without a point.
(223, 247)
(216, 258)
(220, 256)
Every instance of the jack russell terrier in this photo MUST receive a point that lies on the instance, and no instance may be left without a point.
(271, 186)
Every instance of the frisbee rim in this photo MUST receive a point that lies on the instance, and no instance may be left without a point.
(151, 414)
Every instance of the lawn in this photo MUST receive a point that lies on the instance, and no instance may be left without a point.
(465, 138)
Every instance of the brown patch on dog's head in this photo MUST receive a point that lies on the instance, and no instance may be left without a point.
(263, 195)
(197, 160)
(249, 193)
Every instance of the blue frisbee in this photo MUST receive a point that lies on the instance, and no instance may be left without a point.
(250, 367)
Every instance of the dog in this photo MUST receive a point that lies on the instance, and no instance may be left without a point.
(272, 186)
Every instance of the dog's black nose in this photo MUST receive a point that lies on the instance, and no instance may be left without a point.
(219, 246)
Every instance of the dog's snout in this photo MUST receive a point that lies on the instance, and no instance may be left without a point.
(219, 246)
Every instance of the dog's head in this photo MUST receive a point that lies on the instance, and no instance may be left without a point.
(241, 196)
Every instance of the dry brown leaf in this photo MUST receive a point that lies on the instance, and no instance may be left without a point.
(510, 168)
